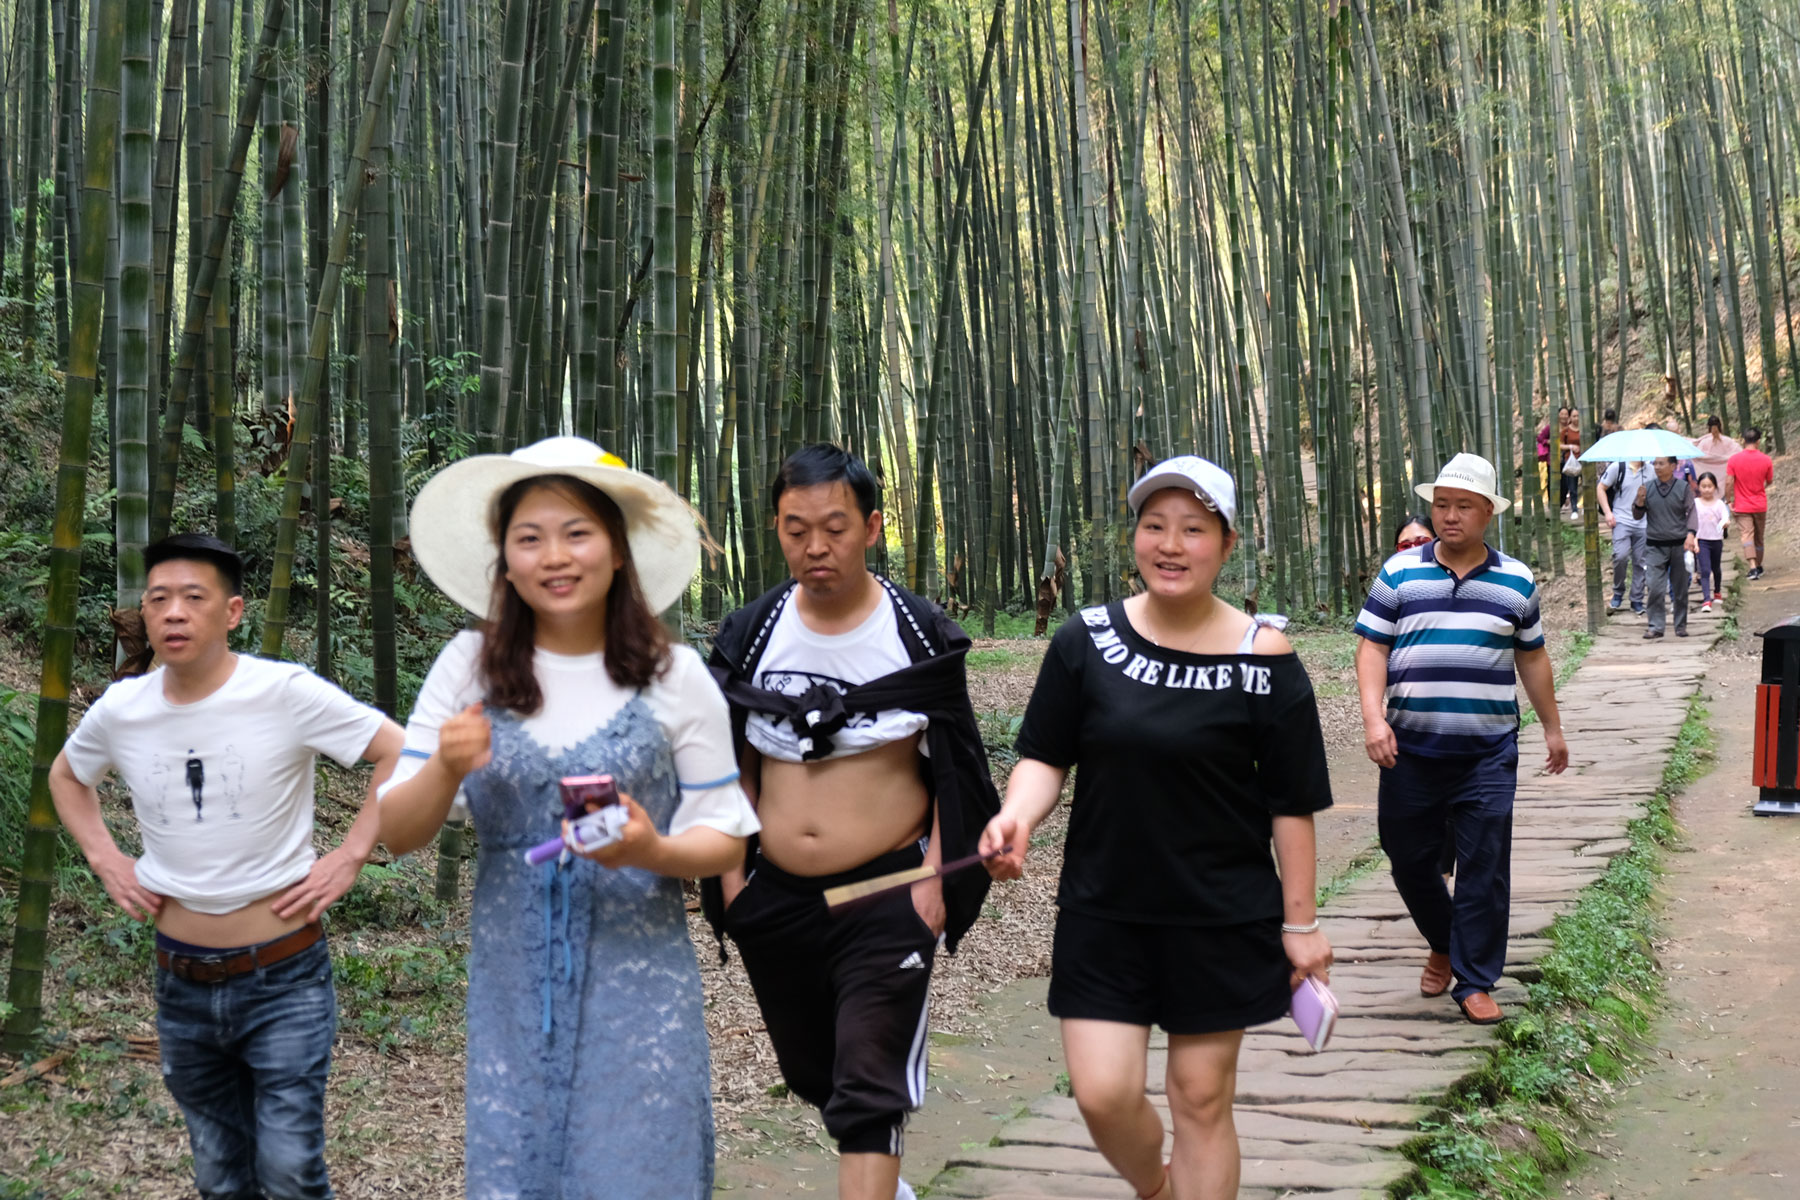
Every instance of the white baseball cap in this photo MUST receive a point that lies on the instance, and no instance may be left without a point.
(1471, 473)
(1191, 473)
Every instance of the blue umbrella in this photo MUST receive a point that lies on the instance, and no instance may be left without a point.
(1640, 445)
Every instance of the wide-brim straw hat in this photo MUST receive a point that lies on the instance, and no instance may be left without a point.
(452, 525)
(1470, 473)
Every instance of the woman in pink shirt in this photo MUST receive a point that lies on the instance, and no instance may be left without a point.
(1715, 449)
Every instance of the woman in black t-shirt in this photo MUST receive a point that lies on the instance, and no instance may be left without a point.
(1198, 740)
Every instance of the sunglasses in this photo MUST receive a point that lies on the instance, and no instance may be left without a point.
(1412, 543)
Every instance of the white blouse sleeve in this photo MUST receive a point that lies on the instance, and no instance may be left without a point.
(451, 686)
(693, 714)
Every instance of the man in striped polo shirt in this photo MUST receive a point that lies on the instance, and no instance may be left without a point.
(1444, 629)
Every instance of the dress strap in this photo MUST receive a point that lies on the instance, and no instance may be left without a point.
(1257, 623)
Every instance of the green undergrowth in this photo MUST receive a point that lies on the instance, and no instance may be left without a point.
(1509, 1127)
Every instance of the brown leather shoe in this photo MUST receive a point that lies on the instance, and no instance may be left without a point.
(1435, 980)
(1480, 1008)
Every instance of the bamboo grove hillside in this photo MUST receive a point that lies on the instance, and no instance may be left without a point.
(1005, 252)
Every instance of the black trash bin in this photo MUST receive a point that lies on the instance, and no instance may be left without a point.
(1776, 769)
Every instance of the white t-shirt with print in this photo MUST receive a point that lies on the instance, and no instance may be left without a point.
(796, 658)
(580, 697)
(222, 787)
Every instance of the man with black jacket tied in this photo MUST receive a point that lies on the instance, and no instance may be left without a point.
(859, 747)
(1666, 506)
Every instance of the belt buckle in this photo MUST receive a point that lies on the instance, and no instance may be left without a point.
(203, 968)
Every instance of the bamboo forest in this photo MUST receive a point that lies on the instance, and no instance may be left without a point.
(268, 264)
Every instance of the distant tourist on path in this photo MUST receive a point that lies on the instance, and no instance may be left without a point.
(587, 1054)
(217, 750)
(1715, 449)
(1666, 506)
(1441, 633)
(1748, 477)
(857, 738)
(1547, 464)
(1712, 517)
(1197, 736)
(1614, 491)
(1571, 479)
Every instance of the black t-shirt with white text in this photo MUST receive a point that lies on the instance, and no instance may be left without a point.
(1184, 759)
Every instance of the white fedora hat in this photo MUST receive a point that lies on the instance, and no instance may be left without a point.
(452, 519)
(1471, 473)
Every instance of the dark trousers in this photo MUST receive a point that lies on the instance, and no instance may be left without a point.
(1667, 563)
(246, 1060)
(843, 994)
(1710, 561)
(1476, 792)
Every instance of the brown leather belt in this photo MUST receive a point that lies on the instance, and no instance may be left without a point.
(216, 968)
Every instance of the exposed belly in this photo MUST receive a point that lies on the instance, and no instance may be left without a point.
(824, 817)
(253, 923)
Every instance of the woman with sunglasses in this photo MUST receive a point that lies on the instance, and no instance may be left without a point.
(1414, 531)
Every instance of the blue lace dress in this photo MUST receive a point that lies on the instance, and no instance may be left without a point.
(588, 1076)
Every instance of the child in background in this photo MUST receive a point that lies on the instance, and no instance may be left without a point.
(1713, 517)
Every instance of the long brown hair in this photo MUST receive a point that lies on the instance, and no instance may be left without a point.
(637, 648)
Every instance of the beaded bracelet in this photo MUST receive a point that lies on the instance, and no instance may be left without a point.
(1286, 928)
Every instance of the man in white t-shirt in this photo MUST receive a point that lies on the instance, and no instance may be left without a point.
(849, 787)
(217, 750)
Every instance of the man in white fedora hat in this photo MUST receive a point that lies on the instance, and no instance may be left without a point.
(1445, 628)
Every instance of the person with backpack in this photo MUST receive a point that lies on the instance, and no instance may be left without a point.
(859, 746)
(1624, 479)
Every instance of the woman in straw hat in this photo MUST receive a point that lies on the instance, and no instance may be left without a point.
(1197, 735)
(587, 1072)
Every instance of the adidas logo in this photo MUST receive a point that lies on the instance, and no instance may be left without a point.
(913, 962)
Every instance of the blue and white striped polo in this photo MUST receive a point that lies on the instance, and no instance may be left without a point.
(1450, 682)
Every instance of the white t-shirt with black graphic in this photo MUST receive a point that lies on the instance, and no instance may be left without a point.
(797, 658)
(222, 787)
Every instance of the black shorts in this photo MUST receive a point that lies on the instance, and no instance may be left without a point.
(1185, 978)
(843, 994)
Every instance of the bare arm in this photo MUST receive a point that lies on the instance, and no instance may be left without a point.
(1371, 690)
(1296, 855)
(1539, 681)
(691, 854)
(732, 878)
(413, 811)
(334, 874)
(1031, 792)
(78, 807)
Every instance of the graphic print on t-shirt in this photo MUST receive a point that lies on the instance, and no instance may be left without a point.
(798, 683)
(193, 777)
(1153, 672)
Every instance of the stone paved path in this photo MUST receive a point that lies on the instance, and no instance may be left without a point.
(1329, 1126)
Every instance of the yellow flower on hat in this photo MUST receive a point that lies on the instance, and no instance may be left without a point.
(609, 459)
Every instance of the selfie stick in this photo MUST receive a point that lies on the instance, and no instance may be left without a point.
(597, 829)
(881, 883)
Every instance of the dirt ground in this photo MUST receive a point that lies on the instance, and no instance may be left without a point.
(1715, 1110)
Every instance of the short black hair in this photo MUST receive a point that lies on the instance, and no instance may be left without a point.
(198, 547)
(1752, 434)
(823, 462)
(1611, 414)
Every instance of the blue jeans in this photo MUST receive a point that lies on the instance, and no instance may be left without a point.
(246, 1060)
(1415, 796)
(1628, 558)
